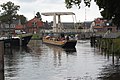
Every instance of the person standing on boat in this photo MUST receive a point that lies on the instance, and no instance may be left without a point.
(67, 37)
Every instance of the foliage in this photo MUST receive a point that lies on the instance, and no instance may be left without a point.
(116, 45)
(109, 8)
(38, 15)
(110, 45)
(22, 18)
(70, 3)
(9, 12)
(36, 36)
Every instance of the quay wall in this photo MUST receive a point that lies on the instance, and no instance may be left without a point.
(1, 60)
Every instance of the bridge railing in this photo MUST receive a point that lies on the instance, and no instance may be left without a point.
(76, 30)
(70, 30)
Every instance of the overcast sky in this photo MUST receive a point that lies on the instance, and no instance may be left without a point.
(29, 8)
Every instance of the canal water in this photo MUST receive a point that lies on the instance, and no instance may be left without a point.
(39, 61)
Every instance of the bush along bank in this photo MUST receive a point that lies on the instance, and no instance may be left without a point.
(108, 45)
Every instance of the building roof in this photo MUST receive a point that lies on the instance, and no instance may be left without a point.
(34, 22)
(98, 27)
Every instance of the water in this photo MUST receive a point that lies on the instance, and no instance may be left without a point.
(46, 62)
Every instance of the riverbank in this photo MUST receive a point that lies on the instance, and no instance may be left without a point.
(1, 60)
(108, 45)
(36, 37)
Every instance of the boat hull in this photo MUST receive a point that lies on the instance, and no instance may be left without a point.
(63, 44)
(70, 44)
(17, 41)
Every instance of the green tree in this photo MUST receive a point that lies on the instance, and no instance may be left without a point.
(9, 12)
(22, 18)
(38, 15)
(8, 15)
(109, 8)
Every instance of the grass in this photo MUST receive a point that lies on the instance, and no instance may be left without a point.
(111, 45)
(36, 36)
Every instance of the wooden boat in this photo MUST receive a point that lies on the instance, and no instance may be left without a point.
(16, 41)
(58, 28)
(61, 43)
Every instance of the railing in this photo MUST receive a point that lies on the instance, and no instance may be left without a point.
(71, 30)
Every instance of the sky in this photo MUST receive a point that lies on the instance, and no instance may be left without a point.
(29, 8)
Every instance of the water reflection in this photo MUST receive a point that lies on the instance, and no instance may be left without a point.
(12, 59)
(47, 62)
(112, 70)
(15, 50)
(71, 51)
(59, 51)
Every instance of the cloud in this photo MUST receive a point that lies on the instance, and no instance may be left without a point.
(28, 8)
(40, 1)
(27, 1)
(42, 6)
(53, 1)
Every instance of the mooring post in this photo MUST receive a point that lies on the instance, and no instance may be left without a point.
(1, 60)
(20, 40)
(99, 43)
(113, 51)
(92, 41)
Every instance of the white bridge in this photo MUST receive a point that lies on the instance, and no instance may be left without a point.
(58, 26)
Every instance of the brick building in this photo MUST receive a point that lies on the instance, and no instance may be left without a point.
(34, 25)
(102, 25)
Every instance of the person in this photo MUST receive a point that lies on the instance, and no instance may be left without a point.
(67, 38)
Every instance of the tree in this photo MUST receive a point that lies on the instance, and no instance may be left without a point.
(22, 18)
(70, 3)
(9, 12)
(109, 8)
(38, 15)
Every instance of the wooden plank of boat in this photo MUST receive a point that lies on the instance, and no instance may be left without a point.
(55, 42)
(63, 43)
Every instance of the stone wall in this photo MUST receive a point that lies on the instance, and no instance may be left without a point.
(1, 60)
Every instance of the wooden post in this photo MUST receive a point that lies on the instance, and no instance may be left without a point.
(100, 45)
(92, 41)
(113, 51)
(1, 60)
(21, 40)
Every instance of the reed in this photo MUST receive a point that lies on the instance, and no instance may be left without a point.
(109, 45)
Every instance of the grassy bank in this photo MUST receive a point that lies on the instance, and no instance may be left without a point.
(109, 45)
(36, 36)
